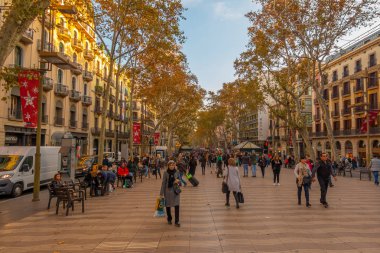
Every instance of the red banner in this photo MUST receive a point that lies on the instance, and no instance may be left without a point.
(156, 138)
(136, 133)
(29, 81)
(372, 118)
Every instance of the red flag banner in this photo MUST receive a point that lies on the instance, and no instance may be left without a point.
(136, 133)
(156, 138)
(29, 81)
(372, 119)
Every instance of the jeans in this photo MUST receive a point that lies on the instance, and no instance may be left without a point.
(254, 170)
(204, 169)
(262, 170)
(176, 213)
(376, 177)
(146, 168)
(228, 197)
(276, 175)
(324, 184)
(183, 182)
(245, 167)
(306, 189)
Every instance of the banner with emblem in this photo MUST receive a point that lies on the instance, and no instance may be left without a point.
(372, 119)
(156, 138)
(136, 133)
(29, 81)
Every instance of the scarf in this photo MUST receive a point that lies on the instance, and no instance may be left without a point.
(302, 172)
(171, 177)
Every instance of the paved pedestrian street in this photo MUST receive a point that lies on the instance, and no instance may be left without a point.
(269, 221)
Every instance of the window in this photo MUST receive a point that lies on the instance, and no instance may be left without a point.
(15, 105)
(317, 128)
(61, 48)
(346, 88)
(18, 56)
(372, 60)
(372, 80)
(335, 91)
(347, 124)
(358, 65)
(336, 108)
(110, 125)
(335, 76)
(359, 123)
(336, 125)
(75, 57)
(96, 123)
(58, 113)
(73, 83)
(326, 94)
(97, 82)
(86, 45)
(73, 116)
(345, 71)
(28, 161)
(85, 89)
(60, 76)
(86, 66)
(359, 85)
(373, 104)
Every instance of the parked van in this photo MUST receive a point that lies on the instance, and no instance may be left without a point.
(17, 166)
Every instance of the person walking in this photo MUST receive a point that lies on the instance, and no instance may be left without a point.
(324, 170)
(276, 167)
(192, 165)
(232, 178)
(219, 164)
(245, 163)
(172, 199)
(203, 164)
(374, 165)
(253, 164)
(303, 179)
(182, 168)
(262, 164)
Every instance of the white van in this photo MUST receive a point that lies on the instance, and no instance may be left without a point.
(17, 168)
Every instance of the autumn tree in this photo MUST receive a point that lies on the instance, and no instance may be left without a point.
(308, 31)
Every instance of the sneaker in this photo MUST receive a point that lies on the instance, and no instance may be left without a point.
(177, 224)
(237, 206)
(308, 205)
(227, 204)
(274, 183)
(278, 183)
(326, 205)
(169, 222)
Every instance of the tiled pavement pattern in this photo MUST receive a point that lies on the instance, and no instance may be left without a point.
(270, 221)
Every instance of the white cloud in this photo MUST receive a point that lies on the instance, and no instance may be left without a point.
(221, 10)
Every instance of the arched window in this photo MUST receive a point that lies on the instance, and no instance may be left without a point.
(18, 56)
(60, 76)
(362, 144)
(59, 113)
(348, 147)
(73, 115)
(73, 83)
(61, 48)
(75, 57)
(376, 144)
(85, 89)
(46, 36)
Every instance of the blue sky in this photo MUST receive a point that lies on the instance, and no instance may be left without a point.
(216, 32)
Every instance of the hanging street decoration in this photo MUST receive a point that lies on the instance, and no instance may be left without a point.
(136, 133)
(29, 81)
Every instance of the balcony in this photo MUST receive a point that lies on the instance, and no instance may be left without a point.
(95, 131)
(99, 90)
(64, 34)
(27, 37)
(14, 114)
(319, 134)
(86, 100)
(48, 23)
(84, 125)
(89, 55)
(75, 96)
(88, 76)
(77, 68)
(317, 117)
(335, 114)
(61, 90)
(77, 45)
(110, 133)
(50, 54)
(45, 119)
(47, 84)
(58, 121)
(73, 124)
(346, 92)
(98, 110)
(346, 112)
(359, 109)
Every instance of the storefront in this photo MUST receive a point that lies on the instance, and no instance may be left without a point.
(22, 136)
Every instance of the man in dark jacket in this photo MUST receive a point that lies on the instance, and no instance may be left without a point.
(324, 170)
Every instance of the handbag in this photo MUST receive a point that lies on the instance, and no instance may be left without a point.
(224, 184)
(306, 180)
(177, 189)
(240, 197)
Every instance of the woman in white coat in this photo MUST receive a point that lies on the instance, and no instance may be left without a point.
(232, 178)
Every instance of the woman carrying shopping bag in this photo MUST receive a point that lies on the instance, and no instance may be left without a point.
(171, 191)
(232, 178)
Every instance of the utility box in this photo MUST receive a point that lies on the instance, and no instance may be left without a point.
(68, 154)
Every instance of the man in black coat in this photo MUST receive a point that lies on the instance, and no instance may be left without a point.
(324, 170)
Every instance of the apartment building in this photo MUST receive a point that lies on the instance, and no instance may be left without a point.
(73, 85)
(254, 127)
(351, 85)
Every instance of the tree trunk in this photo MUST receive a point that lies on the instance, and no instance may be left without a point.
(295, 146)
(21, 15)
(309, 147)
(130, 109)
(118, 113)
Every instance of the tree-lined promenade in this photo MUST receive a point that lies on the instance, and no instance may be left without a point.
(269, 221)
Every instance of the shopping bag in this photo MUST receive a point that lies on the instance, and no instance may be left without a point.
(160, 207)
(240, 197)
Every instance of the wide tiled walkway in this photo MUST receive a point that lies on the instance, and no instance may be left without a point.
(269, 221)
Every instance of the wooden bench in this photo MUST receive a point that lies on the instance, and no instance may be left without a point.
(365, 171)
